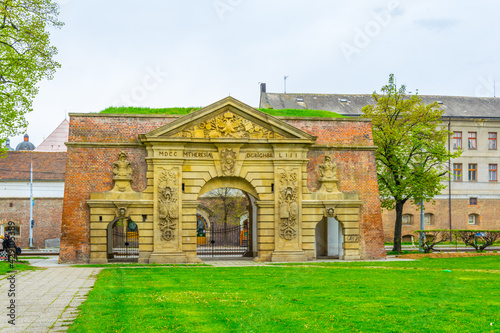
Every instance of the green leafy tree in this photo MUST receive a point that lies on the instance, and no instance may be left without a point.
(26, 57)
(411, 149)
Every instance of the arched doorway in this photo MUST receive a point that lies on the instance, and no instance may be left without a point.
(123, 240)
(329, 239)
(227, 231)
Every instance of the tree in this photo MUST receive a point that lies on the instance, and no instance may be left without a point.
(227, 205)
(26, 57)
(411, 149)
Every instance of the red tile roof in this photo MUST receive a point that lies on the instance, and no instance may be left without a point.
(48, 166)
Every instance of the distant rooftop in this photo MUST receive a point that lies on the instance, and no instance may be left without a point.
(351, 105)
(47, 166)
(55, 141)
(25, 144)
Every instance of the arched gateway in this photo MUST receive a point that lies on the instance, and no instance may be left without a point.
(296, 180)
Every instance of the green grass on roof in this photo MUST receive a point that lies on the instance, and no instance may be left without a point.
(183, 111)
(139, 110)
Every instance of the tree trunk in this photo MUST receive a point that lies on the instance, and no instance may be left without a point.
(398, 226)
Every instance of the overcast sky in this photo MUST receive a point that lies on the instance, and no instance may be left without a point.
(165, 53)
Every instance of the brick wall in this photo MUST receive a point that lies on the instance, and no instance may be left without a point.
(357, 174)
(47, 214)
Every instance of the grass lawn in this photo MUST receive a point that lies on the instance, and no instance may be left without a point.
(18, 266)
(184, 111)
(345, 297)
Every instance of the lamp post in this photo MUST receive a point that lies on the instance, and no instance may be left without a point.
(422, 227)
(31, 200)
(422, 219)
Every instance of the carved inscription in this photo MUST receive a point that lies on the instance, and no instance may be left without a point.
(288, 204)
(168, 204)
(196, 154)
(352, 238)
(260, 155)
(228, 125)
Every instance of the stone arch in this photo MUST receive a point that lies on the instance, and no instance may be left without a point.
(252, 196)
(233, 182)
(125, 246)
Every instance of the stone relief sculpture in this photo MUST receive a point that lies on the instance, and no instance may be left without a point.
(328, 175)
(228, 125)
(168, 205)
(288, 204)
(122, 173)
(228, 161)
(122, 168)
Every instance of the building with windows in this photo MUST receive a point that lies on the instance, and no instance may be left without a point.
(48, 193)
(472, 196)
(48, 162)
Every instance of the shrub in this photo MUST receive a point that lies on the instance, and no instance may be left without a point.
(433, 237)
(478, 239)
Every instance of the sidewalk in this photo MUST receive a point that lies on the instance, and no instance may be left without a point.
(45, 300)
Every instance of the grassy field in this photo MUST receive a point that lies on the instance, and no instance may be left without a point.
(433, 295)
(18, 266)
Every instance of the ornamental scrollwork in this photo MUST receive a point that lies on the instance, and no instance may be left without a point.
(228, 161)
(228, 125)
(288, 204)
(168, 205)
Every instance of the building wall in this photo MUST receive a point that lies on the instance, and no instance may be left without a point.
(487, 210)
(47, 214)
(89, 169)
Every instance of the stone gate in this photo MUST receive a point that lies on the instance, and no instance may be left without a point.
(312, 182)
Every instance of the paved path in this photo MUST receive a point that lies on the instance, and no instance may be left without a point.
(46, 300)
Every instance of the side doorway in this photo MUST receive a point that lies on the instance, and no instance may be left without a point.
(329, 239)
(123, 240)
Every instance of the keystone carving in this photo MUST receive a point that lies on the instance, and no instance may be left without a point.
(328, 175)
(122, 173)
(288, 204)
(228, 161)
(228, 125)
(168, 205)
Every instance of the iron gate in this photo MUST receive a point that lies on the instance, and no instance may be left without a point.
(125, 241)
(231, 241)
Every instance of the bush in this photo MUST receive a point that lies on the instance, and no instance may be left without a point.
(478, 239)
(433, 237)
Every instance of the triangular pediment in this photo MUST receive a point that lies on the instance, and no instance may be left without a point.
(228, 119)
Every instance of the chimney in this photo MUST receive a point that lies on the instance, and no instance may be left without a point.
(262, 87)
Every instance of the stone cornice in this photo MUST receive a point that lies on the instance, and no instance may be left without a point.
(104, 144)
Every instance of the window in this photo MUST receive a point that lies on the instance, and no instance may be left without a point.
(11, 229)
(407, 219)
(473, 172)
(492, 172)
(472, 201)
(457, 171)
(492, 140)
(472, 140)
(473, 219)
(428, 219)
(457, 140)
